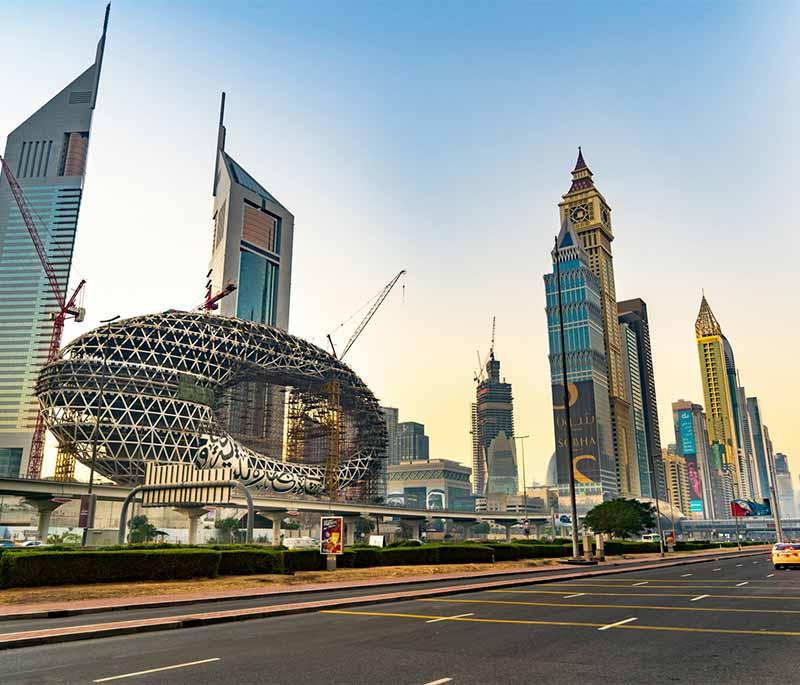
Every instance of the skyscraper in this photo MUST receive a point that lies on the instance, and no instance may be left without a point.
(783, 483)
(759, 448)
(412, 443)
(47, 153)
(391, 415)
(251, 247)
(590, 215)
(677, 481)
(634, 313)
(494, 453)
(594, 464)
(691, 442)
(640, 476)
(721, 420)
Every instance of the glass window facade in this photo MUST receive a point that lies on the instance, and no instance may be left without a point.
(10, 460)
(258, 288)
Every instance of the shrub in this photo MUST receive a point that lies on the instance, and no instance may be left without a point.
(360, 557)
(242, 562)
(544, 551)
(303, 560)
(409, 556)
(465, 554)
(504, 551)
(61, 568)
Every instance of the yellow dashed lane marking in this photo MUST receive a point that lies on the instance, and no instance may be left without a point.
(575, 624)
(648, 594)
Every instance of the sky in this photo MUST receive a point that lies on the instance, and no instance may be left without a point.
(439, 138)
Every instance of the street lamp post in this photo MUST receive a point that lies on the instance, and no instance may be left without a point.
(101, 386)
(522, 439)
(571, 469)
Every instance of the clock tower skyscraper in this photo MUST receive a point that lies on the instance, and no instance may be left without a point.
(590, 215)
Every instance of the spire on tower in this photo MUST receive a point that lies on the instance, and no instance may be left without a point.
(706, 323)
(581, 175)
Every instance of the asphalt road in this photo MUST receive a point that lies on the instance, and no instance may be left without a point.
(121, 614)
(727, 621)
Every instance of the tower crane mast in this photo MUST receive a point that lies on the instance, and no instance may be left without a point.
(66, 307)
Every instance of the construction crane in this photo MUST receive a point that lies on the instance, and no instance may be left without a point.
(360, 328)
(332, 389)
(491, 347)
(210, 302)
(66, 308)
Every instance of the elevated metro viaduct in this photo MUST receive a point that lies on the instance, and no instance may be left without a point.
(47, 495)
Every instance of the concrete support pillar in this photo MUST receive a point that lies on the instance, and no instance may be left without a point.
(194, 514)
(44, 509)
(508, 527)
(466, 527)
(277, 521)
(416, 529)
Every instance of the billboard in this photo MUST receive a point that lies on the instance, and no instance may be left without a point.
(332, 535)
(688, 448)
(747, 507)
(686, 428)
(585, 448)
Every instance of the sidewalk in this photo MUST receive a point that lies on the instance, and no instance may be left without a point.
(425, 574)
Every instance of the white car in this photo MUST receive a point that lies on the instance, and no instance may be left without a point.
(300, 543)
(33, 543)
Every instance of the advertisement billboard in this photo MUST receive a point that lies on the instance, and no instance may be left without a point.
(585, 449)
(686, 428)
(747, 507)
(332, 535)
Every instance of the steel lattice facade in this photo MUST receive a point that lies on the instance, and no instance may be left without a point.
(153, 389)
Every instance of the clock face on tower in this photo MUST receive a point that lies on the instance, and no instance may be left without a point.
(605, 216)
(580, 213)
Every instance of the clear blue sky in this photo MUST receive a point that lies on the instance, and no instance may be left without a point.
(439, 137)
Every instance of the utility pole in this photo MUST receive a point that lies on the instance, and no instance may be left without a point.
(773, 493)
(654, 488)
(522, 439)
(572, 500)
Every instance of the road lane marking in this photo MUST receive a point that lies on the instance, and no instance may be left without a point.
(616, 606)
(699, 597)
(742, 584)
(644, 582)
(619, 623)
(441, 681)
(716, 569)
(155, 670)
(577, 594)
(572, 624)
(686, 575)
(755, 562)
(448, 618)
(739, 565)
(770, 575)
(731, 586)
(652, 594)
(695, 579)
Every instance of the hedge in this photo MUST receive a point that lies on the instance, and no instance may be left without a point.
(303, 560)
(24, 569)
(505, 551)
(245, 562)
(463, 554)
(360, 557)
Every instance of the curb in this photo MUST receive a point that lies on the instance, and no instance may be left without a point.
(309, 589)
(99, 630)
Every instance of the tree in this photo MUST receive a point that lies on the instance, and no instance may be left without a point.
(141, 530)
(620, 517)
(228, 529)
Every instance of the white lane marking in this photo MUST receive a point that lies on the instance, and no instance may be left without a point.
(155, 670)
(755, 562)
(744, 583)
(441, 681)
(577, 594)
(694, 599)
(717, 569)
(447, 618)
(738, 565)
(686, 575)
(644, 582)
(770, 575)
(618, 623)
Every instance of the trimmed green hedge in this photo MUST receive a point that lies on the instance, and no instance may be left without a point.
(246, 562)
(303, 560)
(360, 557)
(25, 569)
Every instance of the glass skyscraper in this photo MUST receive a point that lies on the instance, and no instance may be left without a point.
(594, 464)
(47, 153)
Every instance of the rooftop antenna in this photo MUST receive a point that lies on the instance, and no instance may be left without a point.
(98, 59)
(491, 348)
(220, 141)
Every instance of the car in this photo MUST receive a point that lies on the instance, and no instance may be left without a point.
(786, 554)
(301, 543)
(33, 543)
(6, 543)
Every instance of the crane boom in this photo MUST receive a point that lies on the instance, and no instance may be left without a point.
(374, 308)
(65, 307)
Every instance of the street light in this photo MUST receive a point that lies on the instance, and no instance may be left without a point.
(522, 439)
(98, 418)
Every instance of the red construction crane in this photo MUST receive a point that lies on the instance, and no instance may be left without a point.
(211, 300)
(66, 307)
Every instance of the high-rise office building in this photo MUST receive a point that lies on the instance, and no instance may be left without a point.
(494, 455)
(759, 448)
(594, 464)
(783, 483)
(590, 214)
(737, 396)
(640, 476)
(391, 416)
(412, 443)
(252, 248)
(715, 360)
(47, 153)
(678, 487)
(691, 442)
(634, 313)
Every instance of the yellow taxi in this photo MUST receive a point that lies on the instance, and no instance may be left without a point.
(786, 554)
